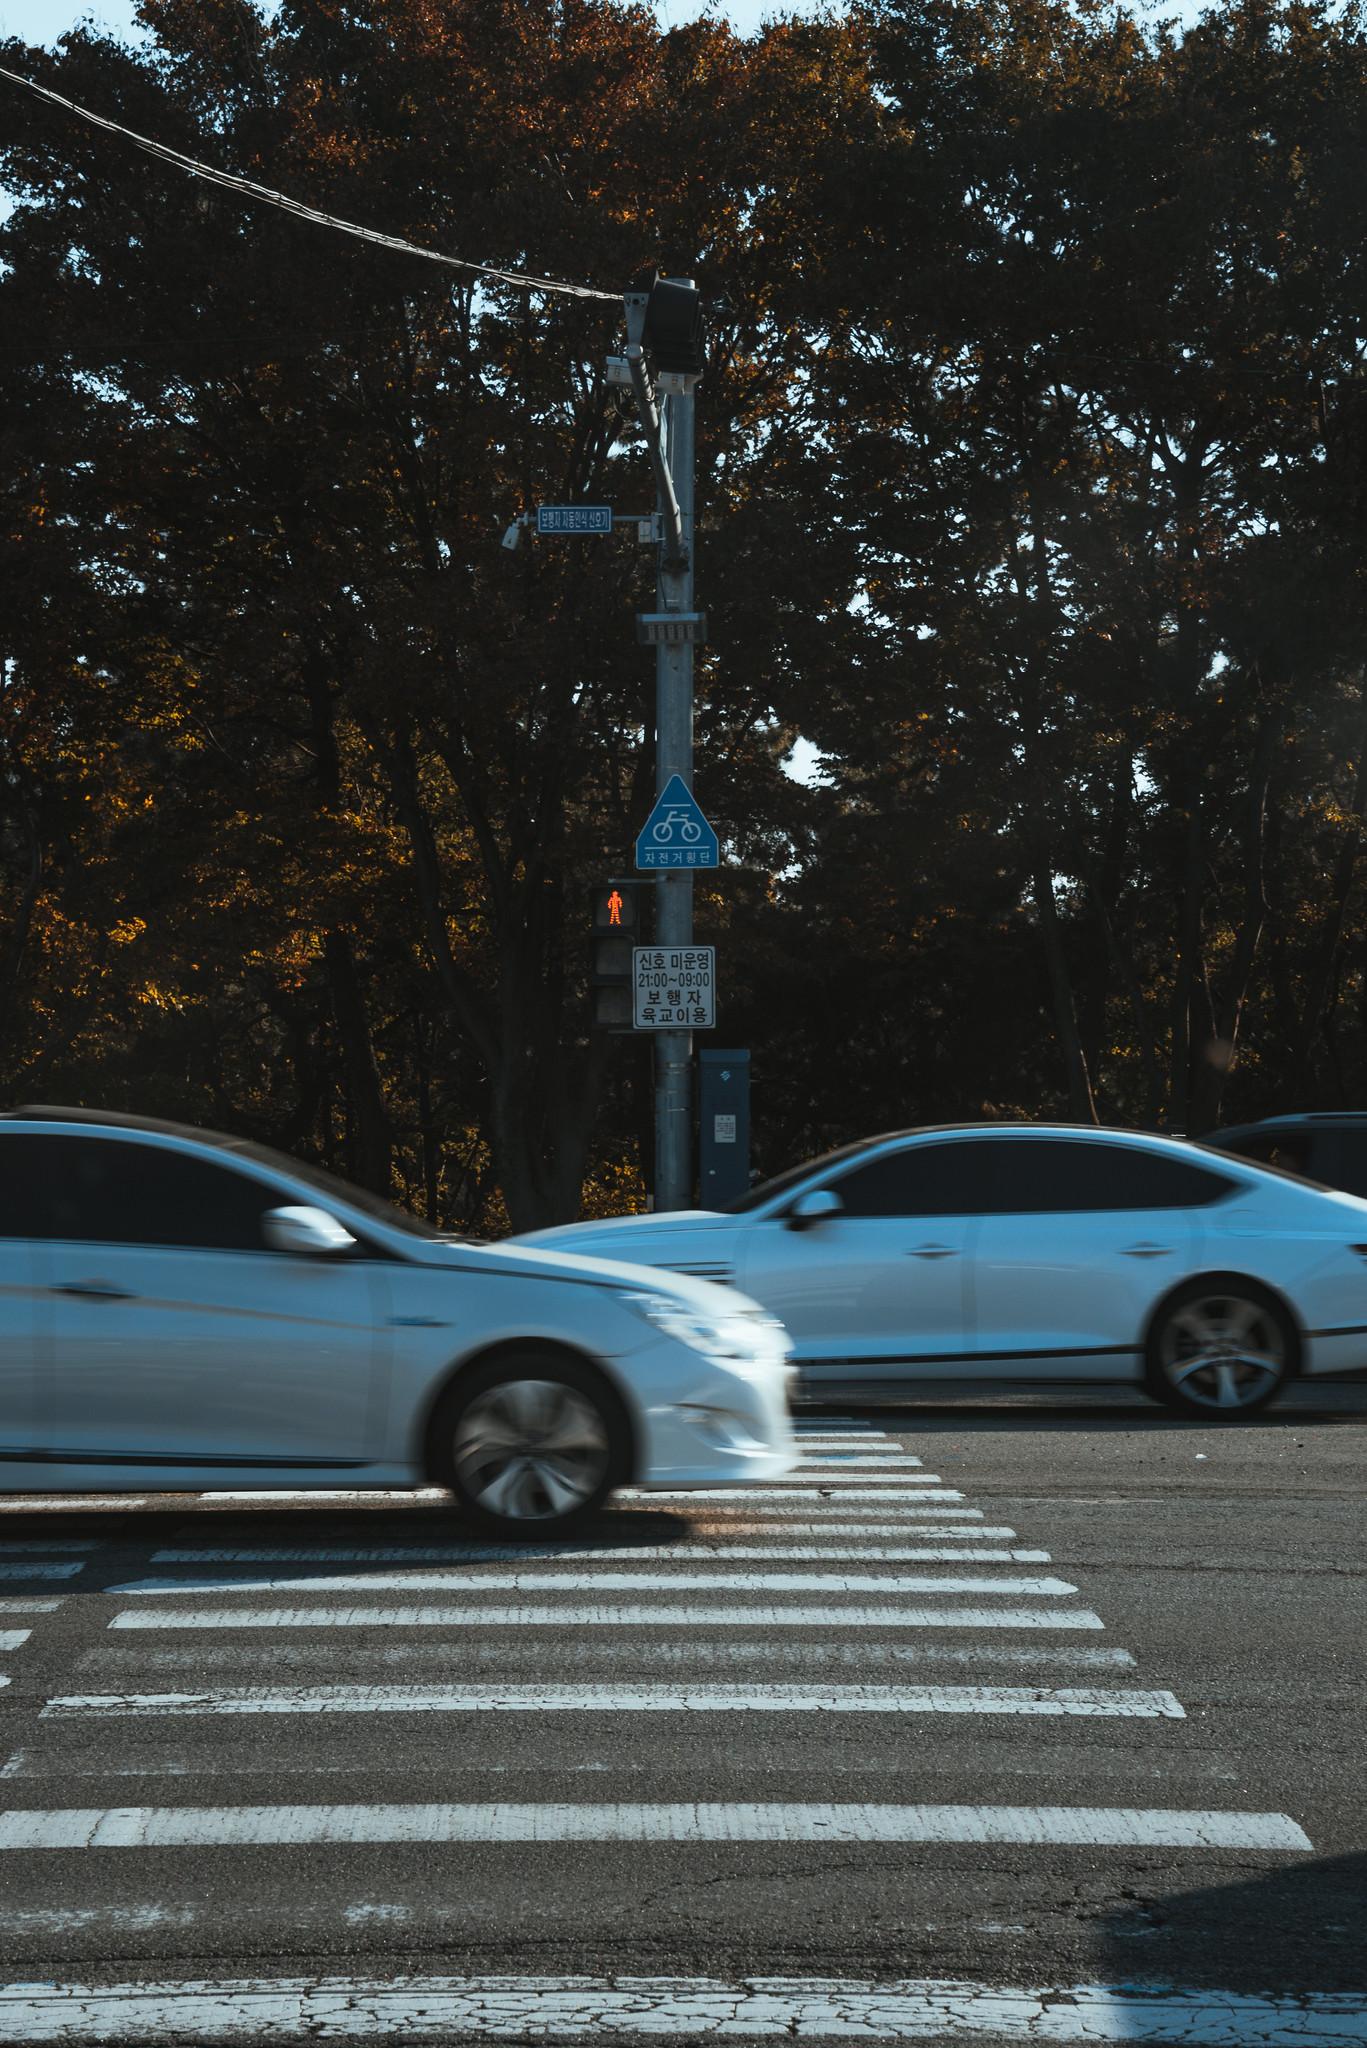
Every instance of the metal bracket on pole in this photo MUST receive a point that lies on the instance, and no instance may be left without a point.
(675, 549)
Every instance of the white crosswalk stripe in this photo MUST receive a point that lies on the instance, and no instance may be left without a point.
(682, 1615)
(216, 1827)
(781, 2009)
(1125, 1702)
(599, 1581)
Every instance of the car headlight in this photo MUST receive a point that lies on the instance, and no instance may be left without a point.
(747, 1339)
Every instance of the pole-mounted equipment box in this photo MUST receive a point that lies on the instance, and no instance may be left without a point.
(723, 1126)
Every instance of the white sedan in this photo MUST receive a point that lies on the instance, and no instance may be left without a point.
(1035, 1253)
(180, 1310)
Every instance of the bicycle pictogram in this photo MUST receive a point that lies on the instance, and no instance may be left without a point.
(676, 834)
(677, 818)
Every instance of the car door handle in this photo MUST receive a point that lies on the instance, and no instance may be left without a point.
(1147, 1251)
(933, 1251)
(93, 1290)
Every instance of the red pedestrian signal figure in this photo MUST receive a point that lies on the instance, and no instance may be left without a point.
(615, 907)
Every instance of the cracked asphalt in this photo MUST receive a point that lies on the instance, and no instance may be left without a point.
(1224, 1567)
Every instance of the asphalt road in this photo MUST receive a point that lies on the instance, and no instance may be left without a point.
(1055, 1734)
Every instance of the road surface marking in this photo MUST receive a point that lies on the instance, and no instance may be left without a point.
(600, 1656)
(844, 1461)
(10, 1546)
(14, 1638)
(915, 1515)
(756, 1496)
(221, 1827)
(18, 1604)
(694, 1548)
(615, 1699)
(975, 1533)
(67, 1503)
(684, 1616)
(631, 2009)
(26, 1569)
(808, 1473)
(407, 1493)
(599, 1582)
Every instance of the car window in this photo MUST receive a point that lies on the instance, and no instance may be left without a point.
(1024, 1176)
(338, 1190)
(1286, 1149)
(766, 1190)
(21, 1167)
(1043, 1176)
(952, 1179)
(1338, 1159)
(113, 1191)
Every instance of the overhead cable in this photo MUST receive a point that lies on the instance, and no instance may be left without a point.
(247, 188)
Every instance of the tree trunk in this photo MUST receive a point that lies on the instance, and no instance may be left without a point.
(1319, 975)
(371, 1138)
(1216, 1052)
(1081, 1106)
(1188, 960)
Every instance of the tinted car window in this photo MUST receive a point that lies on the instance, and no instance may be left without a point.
(1024, 1176)
(1338, 1159)
(112, 1191)
(1289, 1150)
(1041, 1176)
(21, 1167)
(765, 1190)
(952, 1179)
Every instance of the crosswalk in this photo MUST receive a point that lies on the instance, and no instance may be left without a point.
(247, 1729)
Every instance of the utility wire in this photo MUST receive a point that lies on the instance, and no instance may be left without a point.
(246, 188)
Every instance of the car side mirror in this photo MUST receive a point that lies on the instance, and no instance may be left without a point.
(818, 1205)
(306, 1231)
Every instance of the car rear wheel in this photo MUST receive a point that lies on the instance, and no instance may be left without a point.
(530, 1445)
(1220, 1348)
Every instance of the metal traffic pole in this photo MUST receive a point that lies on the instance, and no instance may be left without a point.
(663, 322)
(674, 756)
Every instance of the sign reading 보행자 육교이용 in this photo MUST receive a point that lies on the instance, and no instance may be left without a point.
(674, 988)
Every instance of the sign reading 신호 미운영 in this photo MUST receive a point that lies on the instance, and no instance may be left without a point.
(674, 988)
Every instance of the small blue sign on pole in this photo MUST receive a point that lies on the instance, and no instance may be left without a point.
(574, 519)
(676, 834)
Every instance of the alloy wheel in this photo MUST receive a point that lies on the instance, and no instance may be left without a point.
(1223, 1352)
(531, 1450)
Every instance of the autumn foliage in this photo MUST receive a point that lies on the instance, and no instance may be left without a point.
(1031, 488)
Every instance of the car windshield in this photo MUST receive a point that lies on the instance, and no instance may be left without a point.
(756, 1197)
(336, 1189)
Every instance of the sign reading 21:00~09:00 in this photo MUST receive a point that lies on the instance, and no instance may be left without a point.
(674, 988)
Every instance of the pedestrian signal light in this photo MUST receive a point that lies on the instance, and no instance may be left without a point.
(616, 909)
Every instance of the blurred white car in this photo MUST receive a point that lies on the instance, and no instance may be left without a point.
(1034, 1253)
(181, 1310)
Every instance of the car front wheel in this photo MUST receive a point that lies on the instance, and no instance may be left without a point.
(1220, 1348)
(529, 1445)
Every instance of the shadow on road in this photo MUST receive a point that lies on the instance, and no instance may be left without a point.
(1014, 1408)
(1295, 1928)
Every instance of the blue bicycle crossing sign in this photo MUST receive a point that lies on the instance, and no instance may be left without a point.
(676, 834)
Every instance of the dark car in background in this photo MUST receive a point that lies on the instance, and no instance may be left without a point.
(1330, 1148)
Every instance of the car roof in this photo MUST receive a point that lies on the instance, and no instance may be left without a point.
(1056, 1129)
(1330, 1118)
(117, 1119)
